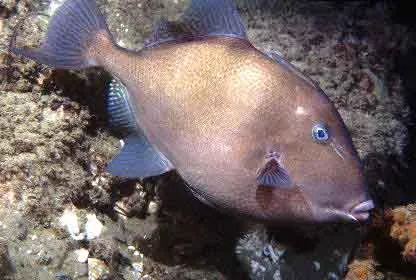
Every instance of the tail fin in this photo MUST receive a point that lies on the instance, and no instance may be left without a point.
(72, 33)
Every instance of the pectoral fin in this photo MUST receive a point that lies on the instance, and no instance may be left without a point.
(273, 174)
(139, 159)
(121, 113)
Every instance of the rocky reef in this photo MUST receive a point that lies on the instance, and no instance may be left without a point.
(364, 269)
(63, 217)
(404, 230)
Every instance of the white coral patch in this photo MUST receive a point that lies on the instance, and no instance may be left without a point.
(93, 227)
(69, 220)
(82, 255)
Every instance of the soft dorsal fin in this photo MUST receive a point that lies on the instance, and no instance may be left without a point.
(204, 18)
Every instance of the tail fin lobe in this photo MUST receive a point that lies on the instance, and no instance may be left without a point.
(71, 33)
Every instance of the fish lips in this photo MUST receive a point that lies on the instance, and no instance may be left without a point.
(361, 212)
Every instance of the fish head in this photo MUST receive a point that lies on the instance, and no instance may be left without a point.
(311, 157)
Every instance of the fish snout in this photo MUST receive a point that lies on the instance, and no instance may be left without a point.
(361, 211)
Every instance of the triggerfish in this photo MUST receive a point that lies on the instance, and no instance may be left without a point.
(247, 131)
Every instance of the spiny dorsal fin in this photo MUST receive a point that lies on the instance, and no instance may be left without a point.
(204, 18)
(278, 57)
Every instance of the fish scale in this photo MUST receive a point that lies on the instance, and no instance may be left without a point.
(201, 99)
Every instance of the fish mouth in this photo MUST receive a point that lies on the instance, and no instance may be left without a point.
(361, 212)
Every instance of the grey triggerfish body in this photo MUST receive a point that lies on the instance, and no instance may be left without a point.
(248, 132)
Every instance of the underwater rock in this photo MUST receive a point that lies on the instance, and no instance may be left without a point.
(93, 227)
(4, 258)
(98, 191)
(36, 153)
(62, 276)
(134, 204)
(147, 277)
(97, 269)
(403, 230)
(153, 207)
(322, 255)
(6, 6)
(69, 220)
(82, 255)
(364, 270)
(97, 195)
(106, 250)
(389, 243)
(260, 259)
(138, 201)
(373, 84)
(21, 230)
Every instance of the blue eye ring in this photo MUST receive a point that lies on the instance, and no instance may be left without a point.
(320, 133)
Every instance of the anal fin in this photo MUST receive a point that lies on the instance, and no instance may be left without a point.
(139, 159)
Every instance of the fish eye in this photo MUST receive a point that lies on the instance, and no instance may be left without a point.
(320, 133)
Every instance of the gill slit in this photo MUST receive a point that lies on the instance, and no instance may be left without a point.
(337, 148)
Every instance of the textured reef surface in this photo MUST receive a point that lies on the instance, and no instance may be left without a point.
(63, 217)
